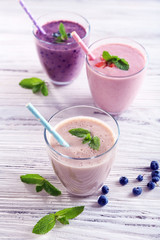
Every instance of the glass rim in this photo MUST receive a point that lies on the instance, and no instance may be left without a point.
(119, 77)
(88, 158)
(63, 44)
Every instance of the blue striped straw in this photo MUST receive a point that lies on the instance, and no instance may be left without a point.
(46, 124)
(30, 16)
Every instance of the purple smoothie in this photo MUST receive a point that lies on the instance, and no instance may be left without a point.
(62, 61)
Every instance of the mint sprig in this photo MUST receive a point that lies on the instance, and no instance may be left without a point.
(120, 63)
(46, 223)
(63, 35)
(93, 141)
(41, 183)
(36, 84)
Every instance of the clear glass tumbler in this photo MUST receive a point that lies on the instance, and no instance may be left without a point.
(61, 61)
(83, 176)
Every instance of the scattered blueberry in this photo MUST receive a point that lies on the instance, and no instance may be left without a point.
(151, 185)
(155, 173)
(140, 178)
(102, 200)
(123, 180)
(105, 189)
(155, 179)
(154, 165)
(56, 34)
(69, 35)
(137, 191)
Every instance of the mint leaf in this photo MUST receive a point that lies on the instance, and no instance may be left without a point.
(95, 143)
(32, 179)
(36, 88)
(49, 188)
(63, 220)
(70, 213)
(63, 32)
(41, 183)
(120, 63)
(87, 138)
(30, 82)
(36, 84)
(39, 188)
(106, 55)
(44, 89)
(79, 132)
(45, 224)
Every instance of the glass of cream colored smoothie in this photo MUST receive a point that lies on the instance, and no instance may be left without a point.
(114, 89)
(61, 60)
(81, 169)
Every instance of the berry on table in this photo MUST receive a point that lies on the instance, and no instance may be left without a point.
(123, 180)
(151, 185)
(154, 165)
(140, 178)
(155, 179)
(102, 200)
(105, 189)
(137, 191)
(155, 173)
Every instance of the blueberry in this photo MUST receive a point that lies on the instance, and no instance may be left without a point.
(69, 35)
(137, 191)
(140, 178)
(102, 200)
(155, 179)
(123, 180)
(56, 34)
(154, 165)
(155, 173)
(105, 189)
(151, 185)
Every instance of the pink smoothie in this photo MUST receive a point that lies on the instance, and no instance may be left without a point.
(114, 89)
(82, 171)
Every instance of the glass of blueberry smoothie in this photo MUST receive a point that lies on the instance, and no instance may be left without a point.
(116, 74)
(59, 54)
(92, 135)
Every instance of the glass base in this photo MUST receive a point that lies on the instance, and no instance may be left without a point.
(61, 83)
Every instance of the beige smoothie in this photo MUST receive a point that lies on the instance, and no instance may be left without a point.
(114, 89)
(80, 168)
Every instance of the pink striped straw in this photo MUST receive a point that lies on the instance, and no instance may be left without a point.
(82, 45)
(30, 16)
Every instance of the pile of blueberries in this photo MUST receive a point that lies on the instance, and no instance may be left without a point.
(155, 175)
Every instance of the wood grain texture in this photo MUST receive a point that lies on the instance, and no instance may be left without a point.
(22, 147)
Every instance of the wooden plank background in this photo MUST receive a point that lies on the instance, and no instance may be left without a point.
(22, 147)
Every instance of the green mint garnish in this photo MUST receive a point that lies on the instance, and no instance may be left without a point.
(63, 35)
(79, 132)
(120, 63)
(93, 141)
(46, 223)
(41, 183)
(36, 84)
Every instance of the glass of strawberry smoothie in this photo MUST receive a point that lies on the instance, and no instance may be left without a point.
(61, 60)
(112, 88)
(82, 168)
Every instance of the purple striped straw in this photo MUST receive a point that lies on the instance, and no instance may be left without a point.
(30, 16)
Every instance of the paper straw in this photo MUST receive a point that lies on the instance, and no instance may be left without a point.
(47, 125)
(30, 16)
(82, 45)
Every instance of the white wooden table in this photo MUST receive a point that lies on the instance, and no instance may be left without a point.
(22, 147)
